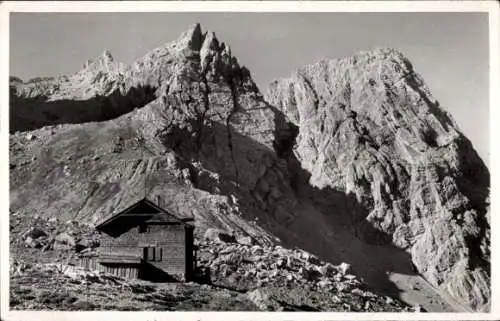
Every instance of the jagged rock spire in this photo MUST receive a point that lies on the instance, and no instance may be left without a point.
(192, 38)
(104, 59)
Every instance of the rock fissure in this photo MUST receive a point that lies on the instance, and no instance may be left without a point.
(201, 118)
(232, 112)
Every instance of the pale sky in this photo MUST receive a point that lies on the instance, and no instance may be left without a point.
(450, 50)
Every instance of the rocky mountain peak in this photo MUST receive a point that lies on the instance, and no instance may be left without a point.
(369, 126)
(105, 59)
(192, 38)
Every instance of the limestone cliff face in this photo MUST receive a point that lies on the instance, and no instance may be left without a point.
(368, 125)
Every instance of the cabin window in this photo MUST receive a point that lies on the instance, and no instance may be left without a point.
(153, 254)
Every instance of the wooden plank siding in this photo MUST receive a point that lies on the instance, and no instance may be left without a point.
(122, 270)
(89, 263)
(169, 240)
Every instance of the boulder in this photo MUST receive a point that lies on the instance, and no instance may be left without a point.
(256, 249)
(323, 270)
(245, 240)
(231, 258)
(64, 241)
(218, 236)
(30, 242)
(291, 263)
(343, 268)
(228, 249)
(327, 269)
(262, 299)
(324, 283)
(308, 257)
(34, 233)
(349, 277)
(281, 263)
(308, 274)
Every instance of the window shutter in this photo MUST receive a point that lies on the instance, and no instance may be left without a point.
(151, 253)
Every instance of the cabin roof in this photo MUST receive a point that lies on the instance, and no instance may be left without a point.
(133, 216)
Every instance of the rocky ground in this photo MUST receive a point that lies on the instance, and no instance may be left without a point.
(233, 273)
(276, 278)
(63, 287)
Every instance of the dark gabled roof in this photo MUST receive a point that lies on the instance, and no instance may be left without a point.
(157, 215)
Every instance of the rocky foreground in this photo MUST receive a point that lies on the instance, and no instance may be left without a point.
(232, 274)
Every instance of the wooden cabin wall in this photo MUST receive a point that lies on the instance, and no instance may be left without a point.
(121, 270)
(130, 271)
(190, 255)
(89, 263)
(170, 238)
(123, 245)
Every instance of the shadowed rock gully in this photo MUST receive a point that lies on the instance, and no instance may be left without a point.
(328, 223)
